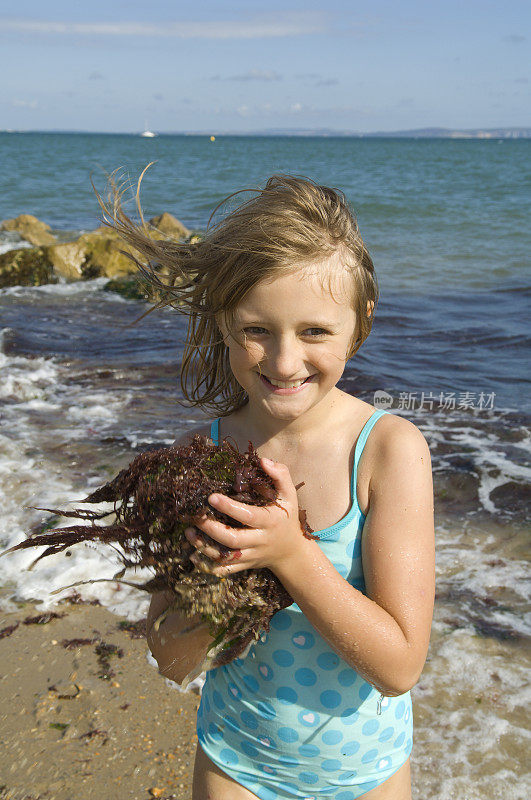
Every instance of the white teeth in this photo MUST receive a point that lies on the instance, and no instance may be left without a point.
(286, 384)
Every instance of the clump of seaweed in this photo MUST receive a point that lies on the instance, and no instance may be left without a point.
(155, 499)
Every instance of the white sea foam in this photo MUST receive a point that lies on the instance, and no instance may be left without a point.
(493, 464)
(62, 289)
(32, 390)
(472, 726)
(495, 467)
(10, 240)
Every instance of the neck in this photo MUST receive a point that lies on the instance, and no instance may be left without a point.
(290, 434)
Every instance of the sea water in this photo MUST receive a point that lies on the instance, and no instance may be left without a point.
(81, 393)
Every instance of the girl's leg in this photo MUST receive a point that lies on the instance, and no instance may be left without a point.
(211, 783)
(397, 787)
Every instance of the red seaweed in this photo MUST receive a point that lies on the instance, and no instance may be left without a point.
(155, 499)
(42, 619)
(8, 630)
(73, 644)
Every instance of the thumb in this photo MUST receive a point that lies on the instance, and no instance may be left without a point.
(280, 475)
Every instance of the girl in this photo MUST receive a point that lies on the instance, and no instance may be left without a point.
(281, 293)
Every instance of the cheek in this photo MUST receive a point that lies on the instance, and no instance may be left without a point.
(330, 361)
(254, 352)
(245, 356)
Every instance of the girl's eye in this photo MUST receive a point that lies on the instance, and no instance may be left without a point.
(254, 330)
(318, 332)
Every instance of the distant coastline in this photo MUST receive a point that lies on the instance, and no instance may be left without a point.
(415, 133)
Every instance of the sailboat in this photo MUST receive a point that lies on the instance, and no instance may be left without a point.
(147, 134)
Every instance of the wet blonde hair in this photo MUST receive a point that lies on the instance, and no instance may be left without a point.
(290, 223)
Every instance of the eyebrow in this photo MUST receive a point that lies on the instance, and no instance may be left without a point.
(307, 324)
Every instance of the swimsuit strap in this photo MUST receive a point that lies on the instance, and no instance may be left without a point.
(214, 431)
(360, 444)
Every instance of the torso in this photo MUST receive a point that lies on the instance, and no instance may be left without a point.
(291, 705)
(326, 501)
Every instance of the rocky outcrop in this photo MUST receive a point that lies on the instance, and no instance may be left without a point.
(29, 228)
(100, 253)
(68, 260)
(129, 287)
(93, 255)
(28, 266)
(170, 225)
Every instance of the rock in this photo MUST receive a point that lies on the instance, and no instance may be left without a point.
(133, 287)
(170, 225)
(27, 266)
(30, 228)
(456, 489)
(194, 237)
(92, 255)
(102, 255)
(128, 286)
(68, 260)
(512, 498)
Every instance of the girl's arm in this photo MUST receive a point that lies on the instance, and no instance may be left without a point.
(383, 634)
(180, 643)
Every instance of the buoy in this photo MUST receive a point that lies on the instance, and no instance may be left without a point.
(212, 138)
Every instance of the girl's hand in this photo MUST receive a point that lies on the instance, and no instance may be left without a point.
(273, 534)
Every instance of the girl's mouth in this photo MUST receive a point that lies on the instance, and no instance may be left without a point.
(285, 390)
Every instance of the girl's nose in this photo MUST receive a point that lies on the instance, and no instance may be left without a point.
(285, 358)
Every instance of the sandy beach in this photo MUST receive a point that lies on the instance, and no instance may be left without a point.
(90, 718)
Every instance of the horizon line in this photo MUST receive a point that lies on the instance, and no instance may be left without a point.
(318, 132)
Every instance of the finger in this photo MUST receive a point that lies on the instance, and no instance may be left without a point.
(224, 534)
(281, 477)
(206, 548)
(209, 565)
(224, 570)
(202, 563)
(240, 512)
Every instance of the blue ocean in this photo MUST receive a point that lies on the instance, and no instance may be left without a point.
(446, 222)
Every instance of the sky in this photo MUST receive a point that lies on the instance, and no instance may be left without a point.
(242, 66)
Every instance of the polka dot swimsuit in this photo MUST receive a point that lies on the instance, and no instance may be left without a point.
(292, 719)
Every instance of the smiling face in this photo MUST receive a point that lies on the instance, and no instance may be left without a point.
(290, 337)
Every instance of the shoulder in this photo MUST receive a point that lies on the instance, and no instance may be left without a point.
(393, 431)
(186, 436)
(398, 450)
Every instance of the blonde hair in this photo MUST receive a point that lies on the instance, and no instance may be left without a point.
(290, 223)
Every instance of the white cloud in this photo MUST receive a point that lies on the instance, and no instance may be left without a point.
(327, 82)
(317, 80)
(25, 103)
(289, 24)
(252, 75)
(296, 107)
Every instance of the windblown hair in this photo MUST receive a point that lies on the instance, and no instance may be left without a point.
(291, 223)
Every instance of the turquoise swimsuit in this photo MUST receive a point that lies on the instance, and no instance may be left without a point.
(292, 719)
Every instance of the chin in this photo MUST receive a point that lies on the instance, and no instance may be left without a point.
(287, 413)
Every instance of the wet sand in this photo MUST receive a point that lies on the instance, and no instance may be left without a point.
(89, 720)
(72, 730)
